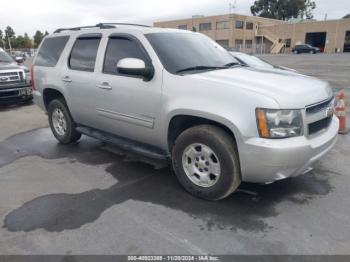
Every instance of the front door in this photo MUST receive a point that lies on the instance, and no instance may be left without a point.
(127, 105)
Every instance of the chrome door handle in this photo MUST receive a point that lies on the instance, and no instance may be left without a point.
(66, 79)
(105, 86)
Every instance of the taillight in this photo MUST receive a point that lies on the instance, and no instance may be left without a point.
(32, 77)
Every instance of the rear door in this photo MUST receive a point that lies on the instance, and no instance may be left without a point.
(78, 77)
(127, 105)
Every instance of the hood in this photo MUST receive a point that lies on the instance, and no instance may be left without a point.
(289, 89)
(9, 66)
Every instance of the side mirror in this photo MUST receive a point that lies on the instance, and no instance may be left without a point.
(135, 67)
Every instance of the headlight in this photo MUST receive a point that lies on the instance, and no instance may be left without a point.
(274, 123)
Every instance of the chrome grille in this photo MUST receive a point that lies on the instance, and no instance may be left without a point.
(318, 107)
(319, 116)
(8, 78)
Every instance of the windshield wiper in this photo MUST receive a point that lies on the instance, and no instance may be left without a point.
(232, 64)
(193, 68)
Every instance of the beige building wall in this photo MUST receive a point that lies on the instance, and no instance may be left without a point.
(231, 33)
(335, 30)
(296, 32)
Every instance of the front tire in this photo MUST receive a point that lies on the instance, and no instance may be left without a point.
(295, 52)
(61, 122)
(205, 161)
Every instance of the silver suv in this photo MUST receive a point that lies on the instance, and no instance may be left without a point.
(174, 94)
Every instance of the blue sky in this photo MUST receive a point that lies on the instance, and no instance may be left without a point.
(27, 16)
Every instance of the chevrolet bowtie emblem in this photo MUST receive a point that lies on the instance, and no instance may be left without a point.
(329, 111)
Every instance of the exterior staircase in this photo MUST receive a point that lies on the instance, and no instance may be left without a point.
(277, 44)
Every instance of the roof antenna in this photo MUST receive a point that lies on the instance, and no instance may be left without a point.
(232, 6)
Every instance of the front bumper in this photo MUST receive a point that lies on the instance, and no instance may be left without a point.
(15, 94)
(269, 160)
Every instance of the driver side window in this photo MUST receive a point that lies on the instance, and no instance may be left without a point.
(119, 48)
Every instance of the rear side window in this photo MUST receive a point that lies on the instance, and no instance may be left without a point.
(83, 55)
(119, 48)
(50, 51)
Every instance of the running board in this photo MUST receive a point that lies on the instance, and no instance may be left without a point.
(126, 144)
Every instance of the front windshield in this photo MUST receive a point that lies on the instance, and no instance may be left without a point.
(254, 61)
(5, 58)
(194, 51)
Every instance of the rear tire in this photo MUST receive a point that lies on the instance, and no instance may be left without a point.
(61, 122)
(206, 163)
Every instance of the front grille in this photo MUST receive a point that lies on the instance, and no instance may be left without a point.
(319, 125)
(11, 78)
(319, 116)
(9, 94)
(319, 107)
(8, 73)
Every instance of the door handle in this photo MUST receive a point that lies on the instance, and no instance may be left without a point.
(66, 79)
(105, 86)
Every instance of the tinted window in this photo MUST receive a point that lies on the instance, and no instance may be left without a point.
(83, 55)
(205, 27)
(239, 24)
(248, 43)
(191, 50)
(223, 43)
(238, 43)
(50, 51)
(222, 25)
(183, 27)
(249, 25)
(119, 48)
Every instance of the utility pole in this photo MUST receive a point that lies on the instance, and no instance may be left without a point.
(232, 6)
(8, 39)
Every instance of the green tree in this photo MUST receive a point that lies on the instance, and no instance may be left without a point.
(27, 42)
(46, 33)
(347, 16)
(18, 42)
(9, 35)
(9, 32)
(283, 9)
(38, 37)
(2, 39)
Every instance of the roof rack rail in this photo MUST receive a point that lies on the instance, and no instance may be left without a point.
(99, 25)
(106, 24)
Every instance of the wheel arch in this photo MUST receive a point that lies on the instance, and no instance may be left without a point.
(179, 122)
(50, 94)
